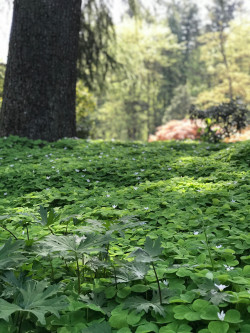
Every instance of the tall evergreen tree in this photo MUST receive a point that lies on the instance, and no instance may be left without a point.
(40, 79)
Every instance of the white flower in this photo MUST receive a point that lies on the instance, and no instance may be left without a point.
(138, 178)
(196, 232)
(169, 168)
(133, 159)
(146, 208)
(48, 177)
(135, 188)
(108, 195)
(11, 165)
(116, 159)
(228, 268)
(142, 170)
(114, 206)
(90, 160)
(136, 173)
(165, 282)
(53, 167)
(51, 160)
(77, 170)
(233, 200)
(221, 287)
(79, 239)
(29, 155)
(143, 223)
(5, 193)
(65, 148)
(88, 180)
(221, 315)
(218, 246)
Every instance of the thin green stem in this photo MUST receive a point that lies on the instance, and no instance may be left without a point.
(20, 323)
(158, 282)
(52, 269)
(78, 275)
(6, 229)
(115, 278)
(208, 248)
(27, 232)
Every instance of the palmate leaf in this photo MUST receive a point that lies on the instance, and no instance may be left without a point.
(47, 219)
(132, 271)
(9, 255)
(75, 244)
(139, 304)
(153, 247)
(35, 297)
(152, 250)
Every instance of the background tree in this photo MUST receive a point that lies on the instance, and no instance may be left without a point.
(221, 13)
(39, 88)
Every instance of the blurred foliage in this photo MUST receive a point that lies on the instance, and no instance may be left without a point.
(237, 48)
(180, 104)
(85, 107)
(221, 120)
(132, 106)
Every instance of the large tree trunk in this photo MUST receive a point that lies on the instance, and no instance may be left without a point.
(40, 80)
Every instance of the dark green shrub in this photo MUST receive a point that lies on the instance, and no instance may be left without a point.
(221, 120)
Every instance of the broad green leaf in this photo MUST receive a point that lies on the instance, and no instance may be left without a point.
(233, 316)
(192, 316)
(6, 309)
(118, 318)
(124, 330)
(218, 327)
(10, 255)
(141, 304)
(98, 328)
(139, 288)
(153, 247)
(35, 297)
(124, 292)
(150, 327)
(134, 317)
(210, 312)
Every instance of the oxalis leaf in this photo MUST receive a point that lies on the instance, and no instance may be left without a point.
(97, 328)
(35, 297)
(140, 304)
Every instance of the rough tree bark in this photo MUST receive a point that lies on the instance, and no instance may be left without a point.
(40, 79)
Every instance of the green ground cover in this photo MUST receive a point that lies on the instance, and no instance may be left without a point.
(107, 237)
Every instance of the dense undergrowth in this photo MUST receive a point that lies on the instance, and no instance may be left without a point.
(107, 237)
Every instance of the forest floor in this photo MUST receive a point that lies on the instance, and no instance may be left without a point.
(124, 236)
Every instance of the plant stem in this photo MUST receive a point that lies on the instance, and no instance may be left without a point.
(27, 232)
(78, 275)
(208, 248)
(20, 323)
(50, 229)
(6, 229)
(115, 278)
(52, 268)
(83, 269)
(158, 282)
